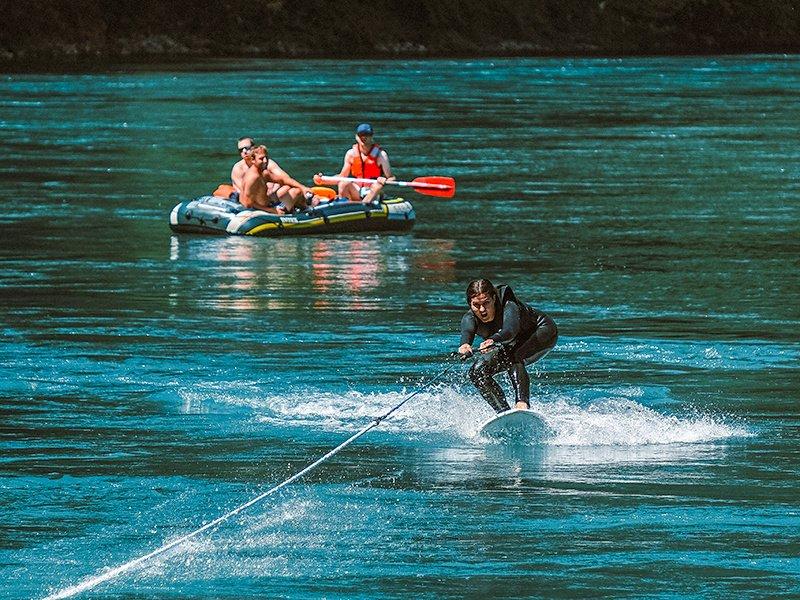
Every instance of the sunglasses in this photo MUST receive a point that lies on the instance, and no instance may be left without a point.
(244, 148)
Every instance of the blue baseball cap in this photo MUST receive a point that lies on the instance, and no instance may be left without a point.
(365, 128)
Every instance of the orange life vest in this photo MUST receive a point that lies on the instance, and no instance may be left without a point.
(367, 168)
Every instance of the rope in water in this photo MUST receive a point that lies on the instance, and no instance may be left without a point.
(117, 571)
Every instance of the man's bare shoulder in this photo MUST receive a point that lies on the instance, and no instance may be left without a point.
(250, 175)
(238, 170)
(273, 171)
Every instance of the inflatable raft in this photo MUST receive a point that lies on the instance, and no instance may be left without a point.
(215, 215)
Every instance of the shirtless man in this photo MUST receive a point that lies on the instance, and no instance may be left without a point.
(237, 172)
(266, 186)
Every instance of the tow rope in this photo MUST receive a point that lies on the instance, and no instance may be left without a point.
(124, 568)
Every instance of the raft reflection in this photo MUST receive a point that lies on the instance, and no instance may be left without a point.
(342, 273)
(353, 266)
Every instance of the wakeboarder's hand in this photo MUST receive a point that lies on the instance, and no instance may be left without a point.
(485, 344)
(465, 350)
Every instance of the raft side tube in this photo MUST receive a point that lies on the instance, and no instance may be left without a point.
(214, 215)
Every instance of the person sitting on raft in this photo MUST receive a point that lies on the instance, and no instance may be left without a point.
(243, 144)
(265, 186)
(514, 334)
(367, 160)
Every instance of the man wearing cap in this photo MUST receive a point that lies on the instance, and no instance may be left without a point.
(364, 160)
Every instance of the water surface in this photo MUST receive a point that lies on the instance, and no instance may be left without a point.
(151, 382)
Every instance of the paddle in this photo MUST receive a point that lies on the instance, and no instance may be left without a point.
(429, 186)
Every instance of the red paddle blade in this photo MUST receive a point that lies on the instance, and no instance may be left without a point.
(444, 187)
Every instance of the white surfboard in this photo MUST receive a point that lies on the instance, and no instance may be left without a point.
(517, 424)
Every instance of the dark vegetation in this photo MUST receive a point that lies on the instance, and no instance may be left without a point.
(83, 33)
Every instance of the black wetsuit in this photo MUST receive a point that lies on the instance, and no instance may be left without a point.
(524, 335)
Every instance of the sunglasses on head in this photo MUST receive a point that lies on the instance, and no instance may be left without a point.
(243, 148)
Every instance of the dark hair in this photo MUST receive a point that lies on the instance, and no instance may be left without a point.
(477, 287)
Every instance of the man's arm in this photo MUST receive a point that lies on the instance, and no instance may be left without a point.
(348, 163)
(280, 176)
(237, 175)
(374, 190)
(383, 161)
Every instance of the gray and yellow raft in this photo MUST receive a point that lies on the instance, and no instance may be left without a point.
(215, 215)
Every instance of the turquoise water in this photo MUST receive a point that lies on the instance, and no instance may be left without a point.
(149, 382)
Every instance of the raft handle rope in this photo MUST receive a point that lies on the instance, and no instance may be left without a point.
(124, 568)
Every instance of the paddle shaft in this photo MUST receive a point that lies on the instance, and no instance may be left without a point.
(414, 184)
(430, 186)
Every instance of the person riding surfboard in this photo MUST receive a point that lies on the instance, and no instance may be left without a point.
(514, 334)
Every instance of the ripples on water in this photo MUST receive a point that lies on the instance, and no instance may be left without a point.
(152, 382)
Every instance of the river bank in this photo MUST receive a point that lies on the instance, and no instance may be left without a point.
(88, 34)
